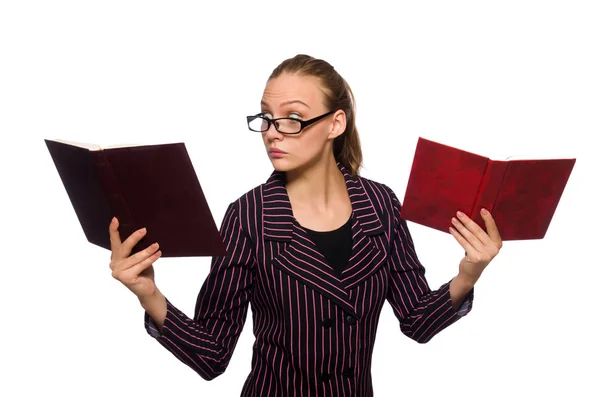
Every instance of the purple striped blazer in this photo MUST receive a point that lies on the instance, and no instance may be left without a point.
(314, 332)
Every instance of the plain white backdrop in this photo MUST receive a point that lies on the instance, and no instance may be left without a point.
(495, 78)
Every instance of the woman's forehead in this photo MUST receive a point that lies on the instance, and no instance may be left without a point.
(297, 89)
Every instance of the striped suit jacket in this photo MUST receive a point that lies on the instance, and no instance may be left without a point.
(314, 331)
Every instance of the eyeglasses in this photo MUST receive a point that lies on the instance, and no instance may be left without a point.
(285, 125)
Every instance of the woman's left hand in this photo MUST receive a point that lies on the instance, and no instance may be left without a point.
(480, 247)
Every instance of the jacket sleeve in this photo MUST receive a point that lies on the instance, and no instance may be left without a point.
(206, 343)
(422, 312)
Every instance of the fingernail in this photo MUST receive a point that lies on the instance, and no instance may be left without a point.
(143, 230)
(460, 214)
(484, 211)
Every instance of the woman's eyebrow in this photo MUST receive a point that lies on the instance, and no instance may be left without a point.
(264, 104)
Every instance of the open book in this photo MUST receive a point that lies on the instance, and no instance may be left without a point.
(152, 186)
(521, 194)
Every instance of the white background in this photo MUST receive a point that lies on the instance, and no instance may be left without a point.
(496, 78)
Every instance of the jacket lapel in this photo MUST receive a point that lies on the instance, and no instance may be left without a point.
(300, 257)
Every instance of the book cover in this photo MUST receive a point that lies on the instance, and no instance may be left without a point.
(153, 186)
(522, 195)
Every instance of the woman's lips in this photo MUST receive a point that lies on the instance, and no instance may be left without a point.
(276, 153)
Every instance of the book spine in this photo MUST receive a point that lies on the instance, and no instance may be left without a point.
(488, 190)
(118, 205)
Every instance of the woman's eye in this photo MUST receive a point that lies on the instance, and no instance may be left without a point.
(295, 116)
(266, 115)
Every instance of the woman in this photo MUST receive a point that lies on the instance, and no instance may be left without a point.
(316, 250)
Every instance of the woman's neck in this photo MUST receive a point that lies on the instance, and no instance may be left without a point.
(320, 186)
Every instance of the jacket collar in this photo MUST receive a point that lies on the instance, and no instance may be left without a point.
(300, 257)
(277, 210)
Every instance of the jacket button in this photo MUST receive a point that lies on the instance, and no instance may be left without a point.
(325, 377)
(327, 322)
(350, 320)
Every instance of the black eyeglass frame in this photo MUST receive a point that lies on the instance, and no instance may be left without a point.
(303, 123)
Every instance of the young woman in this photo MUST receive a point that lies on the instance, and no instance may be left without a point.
(315, 251)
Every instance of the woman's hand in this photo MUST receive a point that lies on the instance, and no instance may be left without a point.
(135, 271)
(480, 247)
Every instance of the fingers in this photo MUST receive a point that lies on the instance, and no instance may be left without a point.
(142, 255)
(123, 264)
(468, 229)
(475, 229)
(474, 255)
(143, 265)
(461, 240)
(130, 242)
(122, 249)
(491, 227)
(479, 245)
(113, 232)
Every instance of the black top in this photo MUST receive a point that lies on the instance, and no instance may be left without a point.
(335, 245)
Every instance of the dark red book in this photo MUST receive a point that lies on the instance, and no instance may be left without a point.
(522, 195)
(152, 186)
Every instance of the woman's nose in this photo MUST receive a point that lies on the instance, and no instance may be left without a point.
(272, 132)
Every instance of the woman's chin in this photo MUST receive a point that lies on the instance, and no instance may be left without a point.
(281, 164)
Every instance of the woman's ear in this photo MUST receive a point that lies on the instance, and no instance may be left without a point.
(339, 124)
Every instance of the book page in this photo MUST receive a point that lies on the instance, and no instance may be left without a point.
(534, 157)
(93, 146)
(139, 144)
(122, 145)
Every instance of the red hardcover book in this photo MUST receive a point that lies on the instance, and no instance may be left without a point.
(152, 186)
(522, 195)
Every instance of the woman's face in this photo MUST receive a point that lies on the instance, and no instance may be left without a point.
(299, 97)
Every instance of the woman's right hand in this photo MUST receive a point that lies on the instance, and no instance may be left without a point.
(135, 271)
